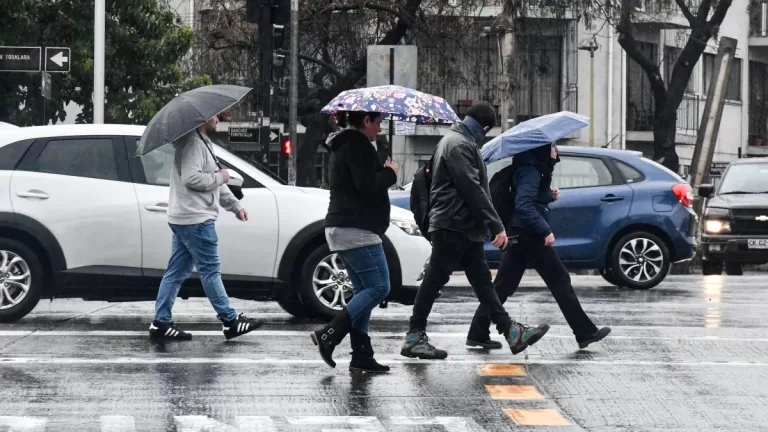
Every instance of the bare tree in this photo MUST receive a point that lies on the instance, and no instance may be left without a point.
(459, 52)
(703, 18)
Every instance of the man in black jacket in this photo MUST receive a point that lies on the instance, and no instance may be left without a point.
(532, 240)
(460, 218)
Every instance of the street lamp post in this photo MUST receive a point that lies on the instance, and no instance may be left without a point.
(591, 46)
(98, 61)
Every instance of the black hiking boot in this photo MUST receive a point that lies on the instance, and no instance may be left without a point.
(362, 354)
(521, 336)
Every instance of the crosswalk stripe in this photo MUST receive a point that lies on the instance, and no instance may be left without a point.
(513, 392)
(536, 417)
(501, 370)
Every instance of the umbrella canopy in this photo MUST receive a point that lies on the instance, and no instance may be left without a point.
(396, 103)
(186, 112)
(533, 133)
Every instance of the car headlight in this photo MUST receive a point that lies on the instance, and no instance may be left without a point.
(714, 226)
(713, 221)
(409, 227)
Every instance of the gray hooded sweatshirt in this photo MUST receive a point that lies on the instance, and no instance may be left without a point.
(197, 188)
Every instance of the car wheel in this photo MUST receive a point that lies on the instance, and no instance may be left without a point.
(292, 304)
(734, 269)
(21, 280)
(640, 260)
(711, 268)
(609, 277)
(325, 285)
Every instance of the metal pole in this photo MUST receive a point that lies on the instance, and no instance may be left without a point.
(592, 98)
(99, 14)
(293, 103)
(391, 82)
(265, 39)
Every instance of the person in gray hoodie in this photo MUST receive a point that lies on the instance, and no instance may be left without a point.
(198, 187)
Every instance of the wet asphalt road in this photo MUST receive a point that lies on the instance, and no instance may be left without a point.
(689, 355)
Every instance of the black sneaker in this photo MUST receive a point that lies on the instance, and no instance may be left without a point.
(240, 326)
(598, 336)
(486, 344)
(167, 331)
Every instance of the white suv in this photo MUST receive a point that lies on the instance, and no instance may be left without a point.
(81, 216)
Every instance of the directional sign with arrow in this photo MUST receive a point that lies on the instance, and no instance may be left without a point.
(57, 59)
(274, 134)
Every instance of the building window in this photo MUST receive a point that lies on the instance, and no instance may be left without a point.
(733, 87)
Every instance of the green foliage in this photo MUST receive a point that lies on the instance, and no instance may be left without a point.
(144, 50)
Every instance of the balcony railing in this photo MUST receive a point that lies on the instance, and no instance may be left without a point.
(640, 119)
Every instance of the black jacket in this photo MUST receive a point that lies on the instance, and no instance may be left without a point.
(359, 184)
(460, 197)
(532, 180)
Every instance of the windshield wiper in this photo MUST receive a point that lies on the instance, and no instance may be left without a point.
(742, 193)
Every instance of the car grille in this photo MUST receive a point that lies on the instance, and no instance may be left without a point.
(744, 222)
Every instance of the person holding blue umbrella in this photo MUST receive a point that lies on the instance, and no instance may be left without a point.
(525, 187)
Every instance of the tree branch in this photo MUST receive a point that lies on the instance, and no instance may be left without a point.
(364, 5)
(720, 11)
(316, 61)
(686, 12)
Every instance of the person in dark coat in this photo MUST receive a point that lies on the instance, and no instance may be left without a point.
(461, 217)
(531, 240)
(358, 215)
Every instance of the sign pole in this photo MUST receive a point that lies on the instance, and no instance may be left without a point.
(98, 62)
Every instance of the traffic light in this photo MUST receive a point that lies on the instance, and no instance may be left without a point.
(281, 18)
(287, 148)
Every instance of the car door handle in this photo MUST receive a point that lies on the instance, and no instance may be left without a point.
(611, 198)
(159, 207)
(32, 194)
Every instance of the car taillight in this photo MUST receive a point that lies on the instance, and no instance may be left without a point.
(684, 194)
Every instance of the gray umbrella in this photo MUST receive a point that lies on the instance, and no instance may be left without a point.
(186, 112)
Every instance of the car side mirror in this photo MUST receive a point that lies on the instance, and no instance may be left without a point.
(706, 190)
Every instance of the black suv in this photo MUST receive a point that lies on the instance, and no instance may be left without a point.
(734, 229)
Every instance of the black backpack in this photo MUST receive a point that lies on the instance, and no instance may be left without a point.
(420, 204)
(503, 193)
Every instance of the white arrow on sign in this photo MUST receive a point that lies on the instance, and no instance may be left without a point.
(59, 59)
(272, 136)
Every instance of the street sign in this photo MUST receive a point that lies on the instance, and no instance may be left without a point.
(717, 169)
(57, 59)
(46, 87)
(274, 136)
(20, 59)
(244, 135)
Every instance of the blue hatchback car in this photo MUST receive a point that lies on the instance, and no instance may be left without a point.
(619, 212)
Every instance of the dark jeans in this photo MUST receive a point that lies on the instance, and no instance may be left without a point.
(452, 250)
(548, 266)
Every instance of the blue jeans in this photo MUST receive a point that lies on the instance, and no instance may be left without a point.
(193, 246)
(369, 273)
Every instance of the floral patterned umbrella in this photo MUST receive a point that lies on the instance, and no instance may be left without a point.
(396, 103)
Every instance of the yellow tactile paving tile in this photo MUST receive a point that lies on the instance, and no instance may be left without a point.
(536, 417)
(501, 370)
(513, 392)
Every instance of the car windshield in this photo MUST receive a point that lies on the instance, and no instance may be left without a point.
(749, 178)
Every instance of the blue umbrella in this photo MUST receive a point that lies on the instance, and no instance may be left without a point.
(533, 133)
(396, 103)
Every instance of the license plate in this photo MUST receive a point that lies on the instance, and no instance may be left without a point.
(757, 243)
